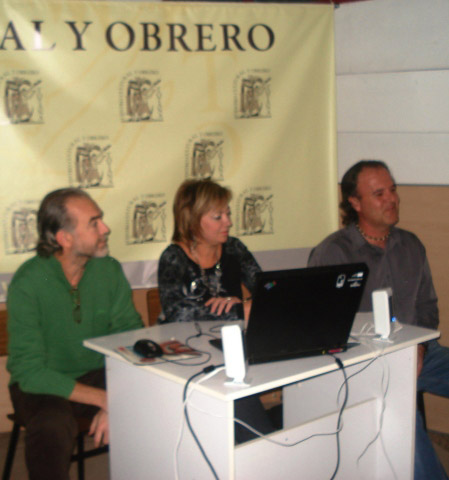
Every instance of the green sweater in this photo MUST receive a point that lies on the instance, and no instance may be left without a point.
(46, 354)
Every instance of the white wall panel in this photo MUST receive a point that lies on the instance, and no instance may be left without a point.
(414, 158)
(393, 102)
(392, 35)
(392, 64)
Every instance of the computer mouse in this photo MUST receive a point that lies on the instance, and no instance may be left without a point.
(147, 348)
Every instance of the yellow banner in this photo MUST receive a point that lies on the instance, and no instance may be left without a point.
(127, 99)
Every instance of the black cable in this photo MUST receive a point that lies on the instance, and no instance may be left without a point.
(203, 352)
(208, 369)
(183, 363)
(217, 328)
(199, 334)
(340, 414)
(357, 372)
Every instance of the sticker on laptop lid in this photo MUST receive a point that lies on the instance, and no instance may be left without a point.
(356, 279)
(340, 280)
(270, 285)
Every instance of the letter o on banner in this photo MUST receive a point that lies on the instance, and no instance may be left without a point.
(130, 34)
(255, 39)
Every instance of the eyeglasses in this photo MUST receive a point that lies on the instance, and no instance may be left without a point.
(76, 300)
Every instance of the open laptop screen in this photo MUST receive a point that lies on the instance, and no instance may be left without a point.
(307, 311)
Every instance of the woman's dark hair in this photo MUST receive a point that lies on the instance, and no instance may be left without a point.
(349, 188)
(193, 199)
(52, 217)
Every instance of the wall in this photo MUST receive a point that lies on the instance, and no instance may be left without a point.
(424, 211)
(392, 66)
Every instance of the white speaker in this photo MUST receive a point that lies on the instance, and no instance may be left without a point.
(234, 356)
(382, 311)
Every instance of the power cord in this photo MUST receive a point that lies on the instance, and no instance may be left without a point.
(340, 414)
(385, 381)
(207, 370)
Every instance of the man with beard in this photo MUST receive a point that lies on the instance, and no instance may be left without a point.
(71, 290)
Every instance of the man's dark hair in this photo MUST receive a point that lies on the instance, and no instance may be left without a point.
(52, 217)
(349, 188)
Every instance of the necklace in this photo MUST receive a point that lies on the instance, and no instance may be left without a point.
(369, 237)
(211, 282)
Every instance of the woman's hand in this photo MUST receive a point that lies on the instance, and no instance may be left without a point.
(221, 305)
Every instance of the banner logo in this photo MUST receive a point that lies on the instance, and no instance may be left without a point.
(20, 229)
(22, 99)
(252, 95)
(140, 98)
(145, 220)
(255, 212)
(204, 156)
(90, 163)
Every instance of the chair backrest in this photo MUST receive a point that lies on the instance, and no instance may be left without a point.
(153, 305)
(3, 333)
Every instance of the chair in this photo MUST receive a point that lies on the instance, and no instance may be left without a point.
(153, 305)
(83, 424)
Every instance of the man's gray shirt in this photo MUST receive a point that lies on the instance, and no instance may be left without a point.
(402, 265)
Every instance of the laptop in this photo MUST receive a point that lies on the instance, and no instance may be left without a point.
(303, 312)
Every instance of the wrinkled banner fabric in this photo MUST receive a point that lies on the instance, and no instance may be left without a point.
(126, 100)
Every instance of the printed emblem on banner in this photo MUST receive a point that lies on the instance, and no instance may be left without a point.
(20, 231)
(22, 95)
(90, 162)
(252, 94)
(145, 219)
(204, 156)
(255, 212)
(141, 97)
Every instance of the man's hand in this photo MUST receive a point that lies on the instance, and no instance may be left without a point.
(99, 428)
(421, 353)
(88, 395)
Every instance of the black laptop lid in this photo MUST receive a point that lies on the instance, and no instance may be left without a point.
(301, 312)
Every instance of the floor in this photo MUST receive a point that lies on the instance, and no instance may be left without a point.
(96, 468)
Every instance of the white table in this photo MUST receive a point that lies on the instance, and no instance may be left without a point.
(146, 412)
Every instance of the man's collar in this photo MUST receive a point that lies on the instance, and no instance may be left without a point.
(69, 270)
